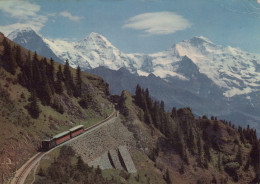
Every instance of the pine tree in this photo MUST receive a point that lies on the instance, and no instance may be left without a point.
(162, 117)
(45, 93)
(167, 177)
(80, 164)
(241, 134)
(162, 107)
(191, 141)
(68, 79)
(25, 77)
(180, 145)
(59, 79)
(155, 114)
(51, 70)
(147, 116)
(33, 107)
(9, 62)
(254, 154)
(143, 100)
(174, 113)
(200, 153)
(207, 152)
(257, 160)
(219, 163)
(239, 157)
(78, 82)
(36, 74)
(18, 56)
(182, 169)
(149, 100)
(138, 95)
(50, 74)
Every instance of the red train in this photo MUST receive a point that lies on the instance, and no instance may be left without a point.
(62, 137)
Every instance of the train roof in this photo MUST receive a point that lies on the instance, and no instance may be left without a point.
(47, 139)
(61, 134)
(76, 127)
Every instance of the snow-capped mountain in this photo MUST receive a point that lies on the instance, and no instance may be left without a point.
(233, 70)
(91, 52)
(31, 40)
(224, 80)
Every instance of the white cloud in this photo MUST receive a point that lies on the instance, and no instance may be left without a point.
(158, 23)
(25, 13)
(69, 16)
(19, 9)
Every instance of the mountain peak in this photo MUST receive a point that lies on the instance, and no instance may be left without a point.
(199, 40)
(95, 40)
(22, 30)
(14, 34)
(94, 36)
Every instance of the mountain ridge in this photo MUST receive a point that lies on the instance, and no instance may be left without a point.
(217, 62)
(198, 66)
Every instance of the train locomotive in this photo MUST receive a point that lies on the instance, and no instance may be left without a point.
(50, 143)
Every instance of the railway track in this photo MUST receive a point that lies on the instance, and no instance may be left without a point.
(26, 168)
(114, 114)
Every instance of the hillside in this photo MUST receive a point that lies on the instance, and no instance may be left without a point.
(189, 149)
(35, 103)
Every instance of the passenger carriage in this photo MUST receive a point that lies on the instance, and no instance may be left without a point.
(60, 138)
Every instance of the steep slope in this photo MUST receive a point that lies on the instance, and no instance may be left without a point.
(189, 149)
(27, 116)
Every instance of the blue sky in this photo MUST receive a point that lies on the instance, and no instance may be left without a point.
(145, 26)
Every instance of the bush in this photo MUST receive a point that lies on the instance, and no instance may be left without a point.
(33, 109)
(58, 107)
(204, 117)
(83, 103)
(41, 172)
(231, 168)
(125, 175)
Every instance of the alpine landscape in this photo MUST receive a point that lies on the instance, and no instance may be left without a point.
(176, 101)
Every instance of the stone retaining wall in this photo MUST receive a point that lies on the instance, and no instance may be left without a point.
(101, 146)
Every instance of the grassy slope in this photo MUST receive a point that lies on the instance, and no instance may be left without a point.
(20, 135)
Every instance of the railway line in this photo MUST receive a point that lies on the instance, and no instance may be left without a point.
(27, 167)
(23, 172)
